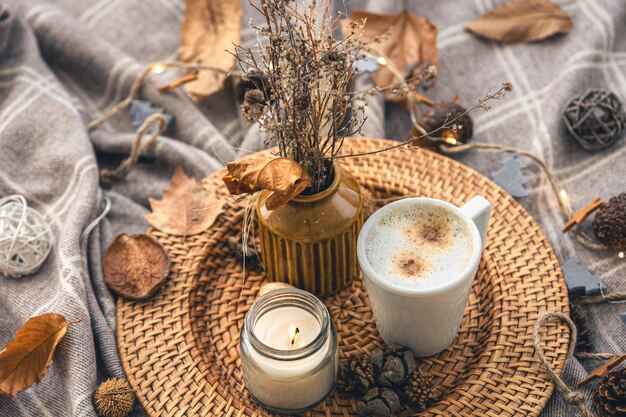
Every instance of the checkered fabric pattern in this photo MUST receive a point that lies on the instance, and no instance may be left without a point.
(64, 62)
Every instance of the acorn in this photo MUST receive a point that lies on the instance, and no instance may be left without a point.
(394, 365)
(609, 223)
(114, 398)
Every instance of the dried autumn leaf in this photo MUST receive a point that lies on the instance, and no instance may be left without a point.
(26, 359)
(135, 266)
(210, 27)
(522, 21)
(411, 44)
(187, 208)
(286, 178)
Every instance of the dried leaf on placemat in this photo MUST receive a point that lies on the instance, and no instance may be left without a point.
(522, 21)
(510, 176)
(580, 281)
(187, 208)
(26, 359)
(209, 29)
(411, 44)
(135, 266)
(286, 178)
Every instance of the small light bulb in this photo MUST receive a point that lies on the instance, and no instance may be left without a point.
(621, 255)
(158, 68)
(381, 60)
(564, 196)
(450, 140)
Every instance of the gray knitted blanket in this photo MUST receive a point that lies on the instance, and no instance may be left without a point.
(64, 62)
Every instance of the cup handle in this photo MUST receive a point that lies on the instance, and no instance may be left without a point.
(478, 209)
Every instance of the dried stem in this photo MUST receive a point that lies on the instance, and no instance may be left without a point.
(482, 103)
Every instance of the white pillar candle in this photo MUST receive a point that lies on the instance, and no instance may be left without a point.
(289, 351)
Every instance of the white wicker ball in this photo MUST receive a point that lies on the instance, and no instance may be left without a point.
(25, 237)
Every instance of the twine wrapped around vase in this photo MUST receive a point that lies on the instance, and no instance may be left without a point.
(25, 237)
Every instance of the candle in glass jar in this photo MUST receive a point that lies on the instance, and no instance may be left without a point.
(289, 351)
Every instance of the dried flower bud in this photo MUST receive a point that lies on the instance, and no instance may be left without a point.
(253, 104)
(302, 101)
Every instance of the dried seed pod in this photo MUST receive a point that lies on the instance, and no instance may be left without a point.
(135, 266)
(253, 104)
(114, 398)
(378, 402)
(394, 364)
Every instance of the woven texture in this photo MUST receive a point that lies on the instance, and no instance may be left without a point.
(180, 349)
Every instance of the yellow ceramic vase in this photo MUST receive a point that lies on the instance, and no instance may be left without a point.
(311, 241)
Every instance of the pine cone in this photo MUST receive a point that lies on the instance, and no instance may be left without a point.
(443, 112)
(394, 365)
(609, 224)
(114, 398)
(610, 399)
(378, 402)
(356, 374)
(583, 341)
(420, 390)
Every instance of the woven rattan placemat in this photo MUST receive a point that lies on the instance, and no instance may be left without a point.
(180, 348)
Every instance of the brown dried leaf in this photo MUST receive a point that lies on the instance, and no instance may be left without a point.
(209, 29)
(187, 208)
(522, 21)
(411, 44)
(286, 178)
(135, 266)
(26, 359)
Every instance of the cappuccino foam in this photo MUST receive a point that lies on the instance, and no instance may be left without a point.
(419, 246)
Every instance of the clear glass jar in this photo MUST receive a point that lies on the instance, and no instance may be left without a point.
(288, 350)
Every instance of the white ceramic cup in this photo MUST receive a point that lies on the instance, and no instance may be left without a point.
(424, 320)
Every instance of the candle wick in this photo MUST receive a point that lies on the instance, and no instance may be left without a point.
(293, 340)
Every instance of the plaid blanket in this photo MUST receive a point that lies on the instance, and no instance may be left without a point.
(64, 62)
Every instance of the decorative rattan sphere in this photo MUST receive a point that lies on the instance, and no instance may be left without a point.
(25, 237)
(595, 118)
(114, 398)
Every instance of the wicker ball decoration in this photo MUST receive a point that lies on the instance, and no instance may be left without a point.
(25, 237)
(595, 118)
